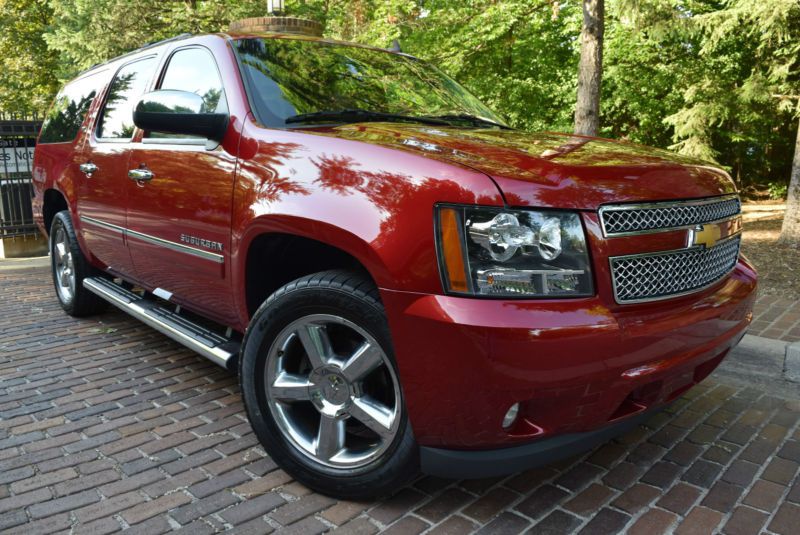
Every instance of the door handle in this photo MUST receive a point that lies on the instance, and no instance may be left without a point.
(141, 175)
(88, 169)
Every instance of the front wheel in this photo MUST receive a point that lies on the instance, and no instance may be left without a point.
(322, 391)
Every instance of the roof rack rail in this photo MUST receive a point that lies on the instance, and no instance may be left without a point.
(140, 49)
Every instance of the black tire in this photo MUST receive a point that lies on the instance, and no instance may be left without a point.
(355, 298)
(81, 302)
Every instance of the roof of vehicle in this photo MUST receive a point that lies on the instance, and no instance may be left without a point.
(238, 35)
(301, 37)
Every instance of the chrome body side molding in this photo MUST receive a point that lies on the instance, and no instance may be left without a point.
(173, 246)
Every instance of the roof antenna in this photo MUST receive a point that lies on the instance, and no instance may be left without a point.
(395, 46)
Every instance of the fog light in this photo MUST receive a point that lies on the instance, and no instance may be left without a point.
(511, 416)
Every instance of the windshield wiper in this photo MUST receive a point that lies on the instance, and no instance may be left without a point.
(471, 119)
(359, 115)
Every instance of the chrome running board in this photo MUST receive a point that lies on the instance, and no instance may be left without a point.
(218, 349)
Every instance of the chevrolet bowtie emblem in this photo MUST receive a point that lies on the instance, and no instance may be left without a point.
(705, 235)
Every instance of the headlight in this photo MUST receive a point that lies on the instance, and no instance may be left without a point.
(512, 253)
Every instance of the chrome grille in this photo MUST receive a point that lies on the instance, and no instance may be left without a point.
(652, 276)
(626, 219)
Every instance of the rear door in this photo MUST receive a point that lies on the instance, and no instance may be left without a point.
(179, 221)
(104, 188)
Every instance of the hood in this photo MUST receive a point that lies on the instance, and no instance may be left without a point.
(554, 170)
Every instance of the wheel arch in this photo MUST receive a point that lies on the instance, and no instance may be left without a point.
(53, 201)
(273, 255)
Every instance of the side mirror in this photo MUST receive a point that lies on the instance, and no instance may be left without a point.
(179, 112)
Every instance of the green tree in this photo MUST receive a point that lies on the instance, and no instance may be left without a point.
(27, 64)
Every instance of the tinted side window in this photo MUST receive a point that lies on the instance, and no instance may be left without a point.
(194, 70)
(65, 117)
(116, 121)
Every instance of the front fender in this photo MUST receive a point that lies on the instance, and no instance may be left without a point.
(373, 202)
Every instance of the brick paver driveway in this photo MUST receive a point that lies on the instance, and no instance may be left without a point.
(106, 424)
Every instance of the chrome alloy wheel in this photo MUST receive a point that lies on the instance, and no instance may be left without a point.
(333, 391)
(64, 267)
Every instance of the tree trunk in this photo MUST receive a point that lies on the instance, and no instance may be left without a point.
(590, 69)
(790, 232)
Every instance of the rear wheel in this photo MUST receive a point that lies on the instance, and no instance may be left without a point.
(69, 268)
(322, 390)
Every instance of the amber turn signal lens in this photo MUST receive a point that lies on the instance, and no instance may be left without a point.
(452, 252)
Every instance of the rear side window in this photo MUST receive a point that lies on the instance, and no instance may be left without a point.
(130, 83)
(69, 109)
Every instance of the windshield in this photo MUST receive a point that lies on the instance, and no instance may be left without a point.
(291, 78)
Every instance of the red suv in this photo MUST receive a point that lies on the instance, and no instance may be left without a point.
(402, 281)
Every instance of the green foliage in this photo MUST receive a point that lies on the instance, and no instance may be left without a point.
(777, 190)
(697, 76)
(27, 64)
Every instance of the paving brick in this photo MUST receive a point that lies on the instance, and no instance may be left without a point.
(60, 505)
(505, 524)
(722, 496)
(103, 526)
(214, 484)
(646, 453)
(623, 475)
(442, 505)
(393, 508)
(16, 475)
(307, 526)
(130, 483)
(589, 500)
(556, 523)
(541, 501)
(653, 522)
(146, 510)
(607, 455)
(85, 482)
(636, 498)
(530, 479)
(252, 508)
(44, 480)
(109, 506)
(745, 521)
(343, 511)
(791, 451)
(662, 474)
(13, 518)
(740, 473)
(604, 522)
(679, 499)
(786, 519)
(699, 521)
(490, 504)
(454, 525)
(780, 471)
(19, 501)
(52, 524)
(305, 506)
(578, 476)
(170, 484)
(185, 463)
(683, 453)
(254, 527)
(152, 526)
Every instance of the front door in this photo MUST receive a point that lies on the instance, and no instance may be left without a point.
(179, 217)
(104, 186)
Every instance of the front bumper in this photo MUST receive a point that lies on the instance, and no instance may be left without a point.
(474, 464)
(574, 366)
